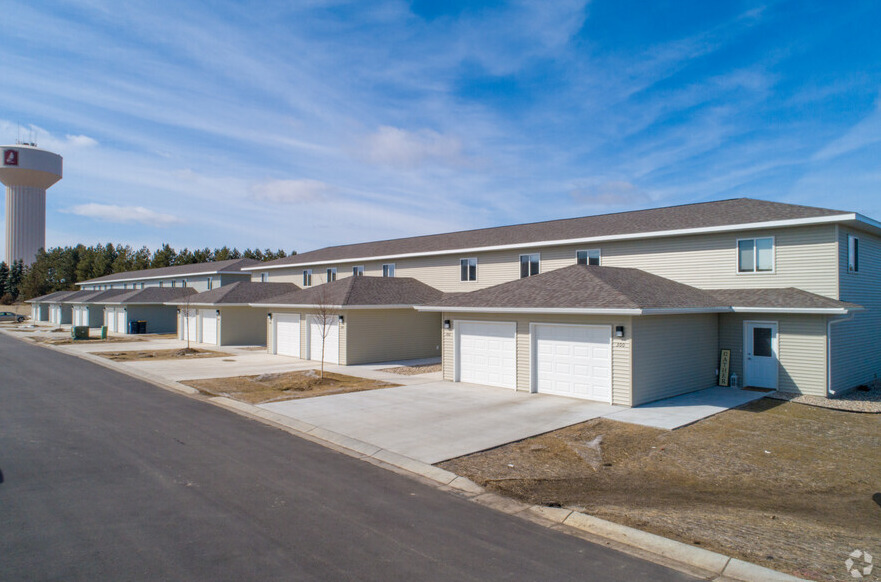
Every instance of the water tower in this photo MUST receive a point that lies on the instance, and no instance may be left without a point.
(27, 172)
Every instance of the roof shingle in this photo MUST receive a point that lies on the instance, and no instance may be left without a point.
(230, 266)
(361, 291)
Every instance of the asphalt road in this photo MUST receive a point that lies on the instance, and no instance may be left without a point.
(108, 478)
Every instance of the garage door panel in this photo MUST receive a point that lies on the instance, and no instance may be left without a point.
(573, 360)
(209, 326)
(331, 341)
(488, 353)
(287, 334)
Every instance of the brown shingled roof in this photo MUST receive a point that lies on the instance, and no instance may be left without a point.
(54, 297)
(702, 215)
(361, 291)
(149, 295)
(786, 298)
(241, 292)
(587, 287)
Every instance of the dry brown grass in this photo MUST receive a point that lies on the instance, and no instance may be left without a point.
(792, 487)
(57, 341)
(284, 386)
(141, 355)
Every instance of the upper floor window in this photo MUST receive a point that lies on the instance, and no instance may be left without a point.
(388, 270)
(307, 278)
(853, 254)
(173, 283)
(331, 274)
(358, 271)
(529, 265)
(162, 283)
(468, 268)
(590, 257)
(263, 277)
(755, 255)
(210, 283)
(142, 285)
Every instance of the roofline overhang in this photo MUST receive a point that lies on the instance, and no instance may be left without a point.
(836, 218)
(334, 307)
(156, 277)
(798, 310)
(216, 305)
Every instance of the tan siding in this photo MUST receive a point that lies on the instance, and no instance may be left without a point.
(805, 257)
(621, 349)
(856, 344)
(394, 334)
(673, 355)
(801, 341)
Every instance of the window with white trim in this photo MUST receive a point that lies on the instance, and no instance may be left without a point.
(388, 270)
(853, 254)
(529, 265)
(142, 285)
(307, 277)
(755, 255)
(162, 283)
(358, 271)
(263, 277)
(468, 269)
(210, 283)
(588, 257)
(331, 274)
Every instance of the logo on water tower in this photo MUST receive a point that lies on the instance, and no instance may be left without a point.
(10, 157)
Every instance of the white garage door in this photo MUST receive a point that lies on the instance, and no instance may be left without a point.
(487, 353)
(286, 330)
(110, 318)
(573, 360)
(121, 320)
(190, 325)
(76, 318)
(209, 326)
(331, 342)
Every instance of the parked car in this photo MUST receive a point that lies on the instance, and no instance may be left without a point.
(10, 316)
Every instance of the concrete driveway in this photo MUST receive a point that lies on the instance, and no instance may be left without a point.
(436, 421)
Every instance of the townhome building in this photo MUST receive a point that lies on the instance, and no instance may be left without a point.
(146, 296)
(630, 307)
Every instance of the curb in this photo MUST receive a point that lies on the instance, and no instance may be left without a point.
(663, 550)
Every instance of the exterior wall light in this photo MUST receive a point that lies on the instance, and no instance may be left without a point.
(619, 331)
(448, 324)
(342, 319)
(269, 316)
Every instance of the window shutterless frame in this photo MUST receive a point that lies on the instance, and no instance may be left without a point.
(756, 255)
(358, 271)
(853, 254)
(388, 270)
(468, 269)
(307, 278)
(588, 257)
(331, 274)
(530, 265)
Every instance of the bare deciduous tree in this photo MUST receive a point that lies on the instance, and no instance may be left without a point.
(324, 317)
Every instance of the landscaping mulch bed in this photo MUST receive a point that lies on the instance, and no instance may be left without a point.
(141, 355)
(791, 487)
(413, 370)
(266, 388)
(862, 399)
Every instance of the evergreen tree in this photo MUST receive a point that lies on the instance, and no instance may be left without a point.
(16, 275)
(4, 277)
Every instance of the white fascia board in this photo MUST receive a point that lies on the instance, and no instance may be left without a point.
(585, 240)
(796, 310)
(333, 307)
(155, 277)
(536, 310)
(685, 310)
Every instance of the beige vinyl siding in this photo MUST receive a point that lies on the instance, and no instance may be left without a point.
(621, 349)
(856, 344)
(801, 343)
(673, 355)
(242, 326)
(382, 335)
(804, 257)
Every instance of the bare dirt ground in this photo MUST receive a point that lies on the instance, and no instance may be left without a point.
(414, 370)
(140, 355)
(284, 386)
(791, 487)
(57, 341)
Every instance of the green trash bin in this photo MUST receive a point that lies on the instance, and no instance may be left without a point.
(103, 332)
(79, 332)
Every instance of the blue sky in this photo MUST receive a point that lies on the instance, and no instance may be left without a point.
(299, 125)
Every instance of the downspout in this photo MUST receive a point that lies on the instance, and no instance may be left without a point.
(829, 391)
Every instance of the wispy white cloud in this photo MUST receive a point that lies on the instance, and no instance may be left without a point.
(861, 135)
(291, 191)
(124, 214)
(408, 149)
(616, 193)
